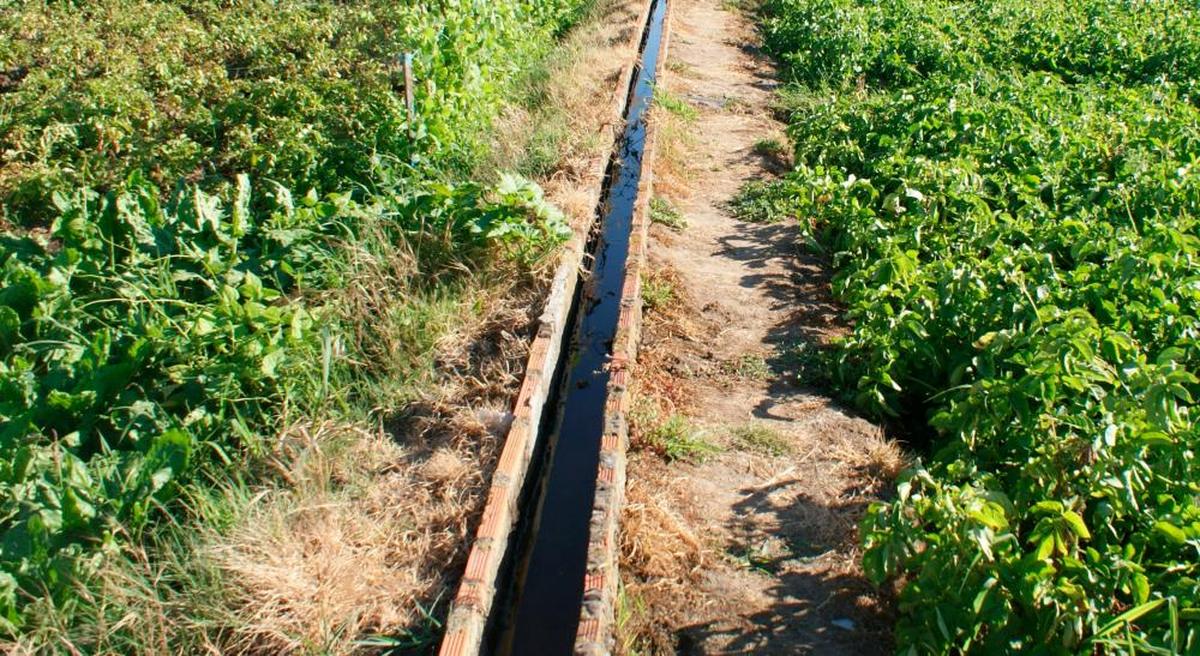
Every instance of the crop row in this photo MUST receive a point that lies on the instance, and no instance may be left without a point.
(165, 294)
(1013, 223)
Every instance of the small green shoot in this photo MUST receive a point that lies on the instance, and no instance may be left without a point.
(628, 607)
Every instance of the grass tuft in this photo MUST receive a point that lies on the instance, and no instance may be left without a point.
(664, 213)
(657, 292)
(678, 439)
(765, 201)
(760, 439)
(675, 105)
(769, 147)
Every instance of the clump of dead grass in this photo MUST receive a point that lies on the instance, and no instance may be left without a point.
(357, 545)
(762, 439)
(674, 164)
(661, 557)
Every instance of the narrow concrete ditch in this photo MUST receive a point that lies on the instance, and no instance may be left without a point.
(532, 583)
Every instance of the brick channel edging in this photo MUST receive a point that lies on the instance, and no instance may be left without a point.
(472, 605)
(597, 624)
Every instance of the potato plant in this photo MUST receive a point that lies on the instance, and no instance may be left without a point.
(1013, 222)
(307, 94)
(179, 182)
(891, 42)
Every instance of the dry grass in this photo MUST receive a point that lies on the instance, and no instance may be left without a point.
(572, 104)
(661, 557)
(674, 158)
(356, 545)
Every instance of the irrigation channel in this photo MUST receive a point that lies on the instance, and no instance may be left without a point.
(540, 608)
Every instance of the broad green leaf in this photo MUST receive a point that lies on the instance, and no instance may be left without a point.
(1076, 524)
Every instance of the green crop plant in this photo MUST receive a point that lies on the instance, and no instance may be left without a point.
(901, 42)
(1010, 205)
(309, 95)
(187, 192)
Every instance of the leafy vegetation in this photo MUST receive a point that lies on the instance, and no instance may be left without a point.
(664, 213)
(182, 186)
(1011, 204)
(890, 43)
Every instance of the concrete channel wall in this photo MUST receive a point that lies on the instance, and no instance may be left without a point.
(473, 604)
(596, 635)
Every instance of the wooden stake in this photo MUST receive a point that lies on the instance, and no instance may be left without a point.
(409, 99)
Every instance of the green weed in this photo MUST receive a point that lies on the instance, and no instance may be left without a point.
(628, 608)
(677, 439)
(772, 148)
(664, 213)
(657, 292)
(675, 105)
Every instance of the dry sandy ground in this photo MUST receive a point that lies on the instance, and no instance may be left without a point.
(751, 548)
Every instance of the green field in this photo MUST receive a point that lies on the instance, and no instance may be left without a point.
(1009, 193)
(218, 219)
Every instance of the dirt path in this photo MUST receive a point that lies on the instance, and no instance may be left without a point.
(748, 545)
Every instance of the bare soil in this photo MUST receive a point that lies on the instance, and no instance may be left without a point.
(751, 547)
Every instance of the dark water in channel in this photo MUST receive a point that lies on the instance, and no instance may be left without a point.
(541, 613)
